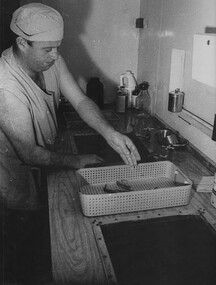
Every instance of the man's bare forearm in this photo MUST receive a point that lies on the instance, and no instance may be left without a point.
(92, 115)
(65, 160)
(42, 157)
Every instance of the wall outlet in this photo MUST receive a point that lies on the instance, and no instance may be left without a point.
(139, 23)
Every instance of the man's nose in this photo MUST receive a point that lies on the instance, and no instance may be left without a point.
(54, 53)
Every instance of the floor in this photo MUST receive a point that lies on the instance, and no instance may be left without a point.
(25, 247)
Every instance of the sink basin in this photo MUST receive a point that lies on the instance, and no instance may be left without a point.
(166, 137)
(96, 144)
(163, 136)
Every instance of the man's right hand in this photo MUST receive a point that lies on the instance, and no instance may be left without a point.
(89, 159)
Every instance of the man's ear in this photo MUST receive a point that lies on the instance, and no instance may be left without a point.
(22, 43)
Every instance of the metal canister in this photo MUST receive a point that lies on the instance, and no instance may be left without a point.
(176, 101)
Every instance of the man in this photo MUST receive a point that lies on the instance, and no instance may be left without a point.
(32, 76)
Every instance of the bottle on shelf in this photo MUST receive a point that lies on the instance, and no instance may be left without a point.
(128, 80)
(144, 98)
(95, 91)
(122, 99)
(135, 94)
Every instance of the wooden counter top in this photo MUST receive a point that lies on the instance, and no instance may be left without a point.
(75, 255)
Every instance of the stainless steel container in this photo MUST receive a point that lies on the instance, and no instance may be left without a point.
(176, 101)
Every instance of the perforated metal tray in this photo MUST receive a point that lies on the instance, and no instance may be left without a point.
(154, 185)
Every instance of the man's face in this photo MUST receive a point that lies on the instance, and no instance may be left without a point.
(40, 56)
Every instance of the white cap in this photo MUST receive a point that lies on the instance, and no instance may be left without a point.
(37, 22)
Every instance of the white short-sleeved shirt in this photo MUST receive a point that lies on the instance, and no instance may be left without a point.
(17, 187)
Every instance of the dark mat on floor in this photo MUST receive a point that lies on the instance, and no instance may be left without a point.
(178, 250)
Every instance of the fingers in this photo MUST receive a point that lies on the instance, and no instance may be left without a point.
(98, 159)
(125, 147)
(128, 151)
(133, 150)
(90, 159)
(131, 154)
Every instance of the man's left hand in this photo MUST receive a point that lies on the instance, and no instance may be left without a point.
(125, 147)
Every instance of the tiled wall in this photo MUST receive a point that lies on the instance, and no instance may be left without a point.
(171, 24)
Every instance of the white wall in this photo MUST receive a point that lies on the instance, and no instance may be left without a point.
(100, 39)
(171, 25)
